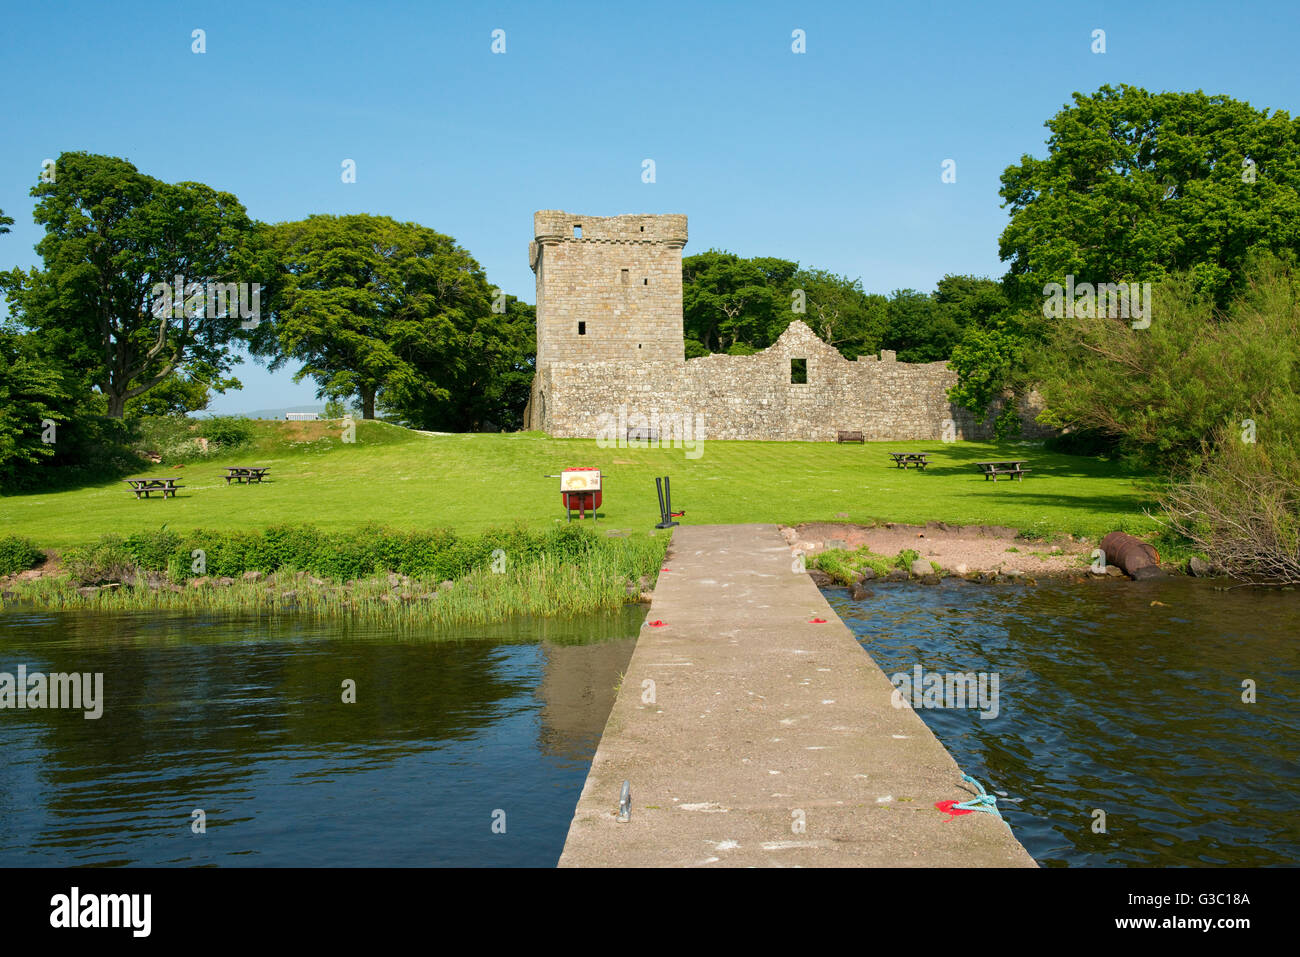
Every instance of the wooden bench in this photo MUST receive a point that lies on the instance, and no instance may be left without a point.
(147, 486)
(642, 435)
(1014, 468)
(903, 459)
(242, 473)
(850, 437)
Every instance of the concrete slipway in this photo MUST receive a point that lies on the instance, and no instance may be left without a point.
(766, 739)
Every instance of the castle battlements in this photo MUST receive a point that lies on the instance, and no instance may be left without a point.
(555, 225)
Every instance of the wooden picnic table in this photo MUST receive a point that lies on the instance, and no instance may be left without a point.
(1010, 467)
(146, 486)
(245, 473)
(904, 459)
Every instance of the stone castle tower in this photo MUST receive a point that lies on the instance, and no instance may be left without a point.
(611, 356)
(608, 287)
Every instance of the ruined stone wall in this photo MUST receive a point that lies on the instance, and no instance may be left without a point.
(610, 354)
(752, 397)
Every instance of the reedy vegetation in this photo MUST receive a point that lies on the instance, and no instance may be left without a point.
(377, 573)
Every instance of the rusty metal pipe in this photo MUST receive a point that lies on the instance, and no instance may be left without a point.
(1130, 555)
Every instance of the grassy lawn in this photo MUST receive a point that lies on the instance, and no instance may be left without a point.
(470, 482)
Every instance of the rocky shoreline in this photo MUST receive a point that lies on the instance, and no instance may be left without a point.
(978, 553)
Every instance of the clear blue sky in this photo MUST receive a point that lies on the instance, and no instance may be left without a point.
(831, 158)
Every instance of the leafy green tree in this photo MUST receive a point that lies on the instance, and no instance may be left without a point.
(727, 299)
(840, 313)
(5, 222)
(971, 300)
(178, 394)
(34, 395)
(111, 235)
(740, 306)
(1137, 185)
(695, 349)
(991, 363)
(501, 389)
(493, 384)
(919, 330)
(377, 309)
(1162, 391)
(991, 357)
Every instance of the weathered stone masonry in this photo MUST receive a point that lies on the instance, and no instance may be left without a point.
(614, 292)
(610, 349)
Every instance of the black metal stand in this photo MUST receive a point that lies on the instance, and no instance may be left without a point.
(665, 502)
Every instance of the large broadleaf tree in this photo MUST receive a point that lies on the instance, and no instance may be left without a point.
(1135, 187)
(112, 236)
(382, 312)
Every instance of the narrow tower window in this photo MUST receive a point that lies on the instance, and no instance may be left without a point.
(645, 282)
(798, 371)
(577, 231)
(582, 328)
(624, 276)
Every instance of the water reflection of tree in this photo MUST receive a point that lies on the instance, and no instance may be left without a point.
(222, 707)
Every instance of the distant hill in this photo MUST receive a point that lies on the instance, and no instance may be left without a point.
(279, 413)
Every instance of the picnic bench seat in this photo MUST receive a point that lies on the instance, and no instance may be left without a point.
(642, 435)
(244, 473)
(918, 459)
(848, 436)
(147, 487)
(1015, 469)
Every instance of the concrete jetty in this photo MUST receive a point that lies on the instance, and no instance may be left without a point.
(753, 735)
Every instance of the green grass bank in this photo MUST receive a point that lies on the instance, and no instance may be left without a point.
(402, 527)
(470, 483)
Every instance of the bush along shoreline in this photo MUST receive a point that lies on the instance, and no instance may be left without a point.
(17, 554)
(376, 573)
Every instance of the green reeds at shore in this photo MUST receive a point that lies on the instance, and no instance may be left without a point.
(552, 574)
(843, 566)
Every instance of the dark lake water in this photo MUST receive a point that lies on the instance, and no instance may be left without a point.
(244, 719)
(1108, 702)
